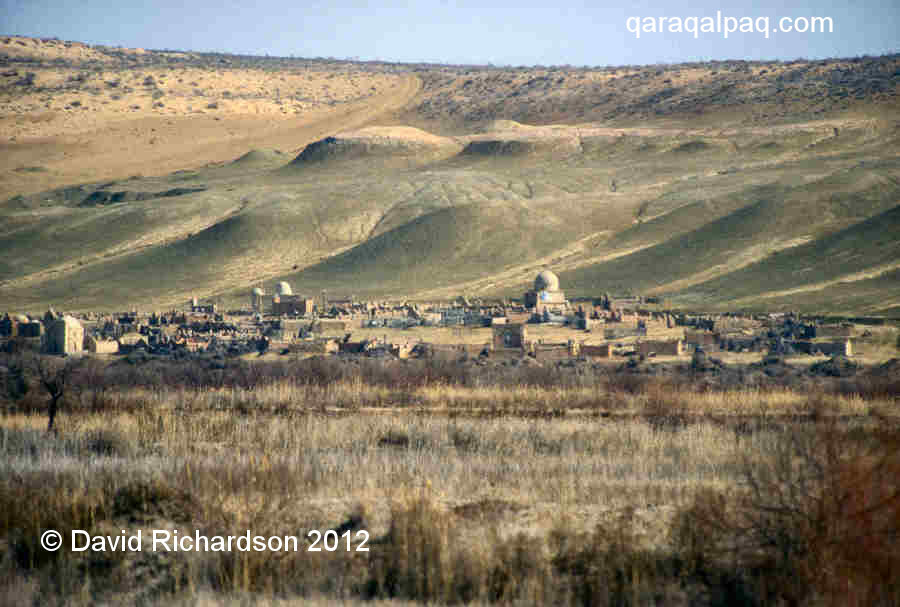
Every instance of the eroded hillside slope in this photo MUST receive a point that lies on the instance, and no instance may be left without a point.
(713, 185)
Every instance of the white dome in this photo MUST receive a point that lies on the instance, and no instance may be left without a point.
(283, 288)
(546, 281)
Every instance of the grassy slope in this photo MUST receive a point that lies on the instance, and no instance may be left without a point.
(772, 215)
(411, 229)
(33, 241)
(869, 244)
(279, 228)
(446, 246)
(879, 295)
(378, 223)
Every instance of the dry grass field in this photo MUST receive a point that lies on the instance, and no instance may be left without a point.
(509, 485)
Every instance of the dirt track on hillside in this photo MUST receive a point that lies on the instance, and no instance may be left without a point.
(159, 145)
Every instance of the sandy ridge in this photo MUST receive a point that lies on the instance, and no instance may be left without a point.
(184, 142)
(356, 116)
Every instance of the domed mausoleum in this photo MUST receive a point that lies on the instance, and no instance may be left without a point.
(256, 299)
(546, 281)
(546, 294)
(285, 303)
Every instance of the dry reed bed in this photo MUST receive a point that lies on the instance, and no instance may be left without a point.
(570, 461)
(355, 394)
(278, 477)
(503, 507)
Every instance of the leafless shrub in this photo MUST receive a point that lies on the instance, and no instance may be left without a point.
(421, 559)
(817, 523)
(610, 567)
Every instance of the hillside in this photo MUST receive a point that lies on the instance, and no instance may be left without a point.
(718, 185)
(773, 223)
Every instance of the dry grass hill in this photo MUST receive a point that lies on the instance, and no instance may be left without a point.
(138, 178)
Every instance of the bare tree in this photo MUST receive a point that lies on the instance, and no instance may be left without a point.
(54, 375)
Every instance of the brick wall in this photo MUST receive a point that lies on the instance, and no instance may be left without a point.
(663, 348)
(601, 351)
(828, 348)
